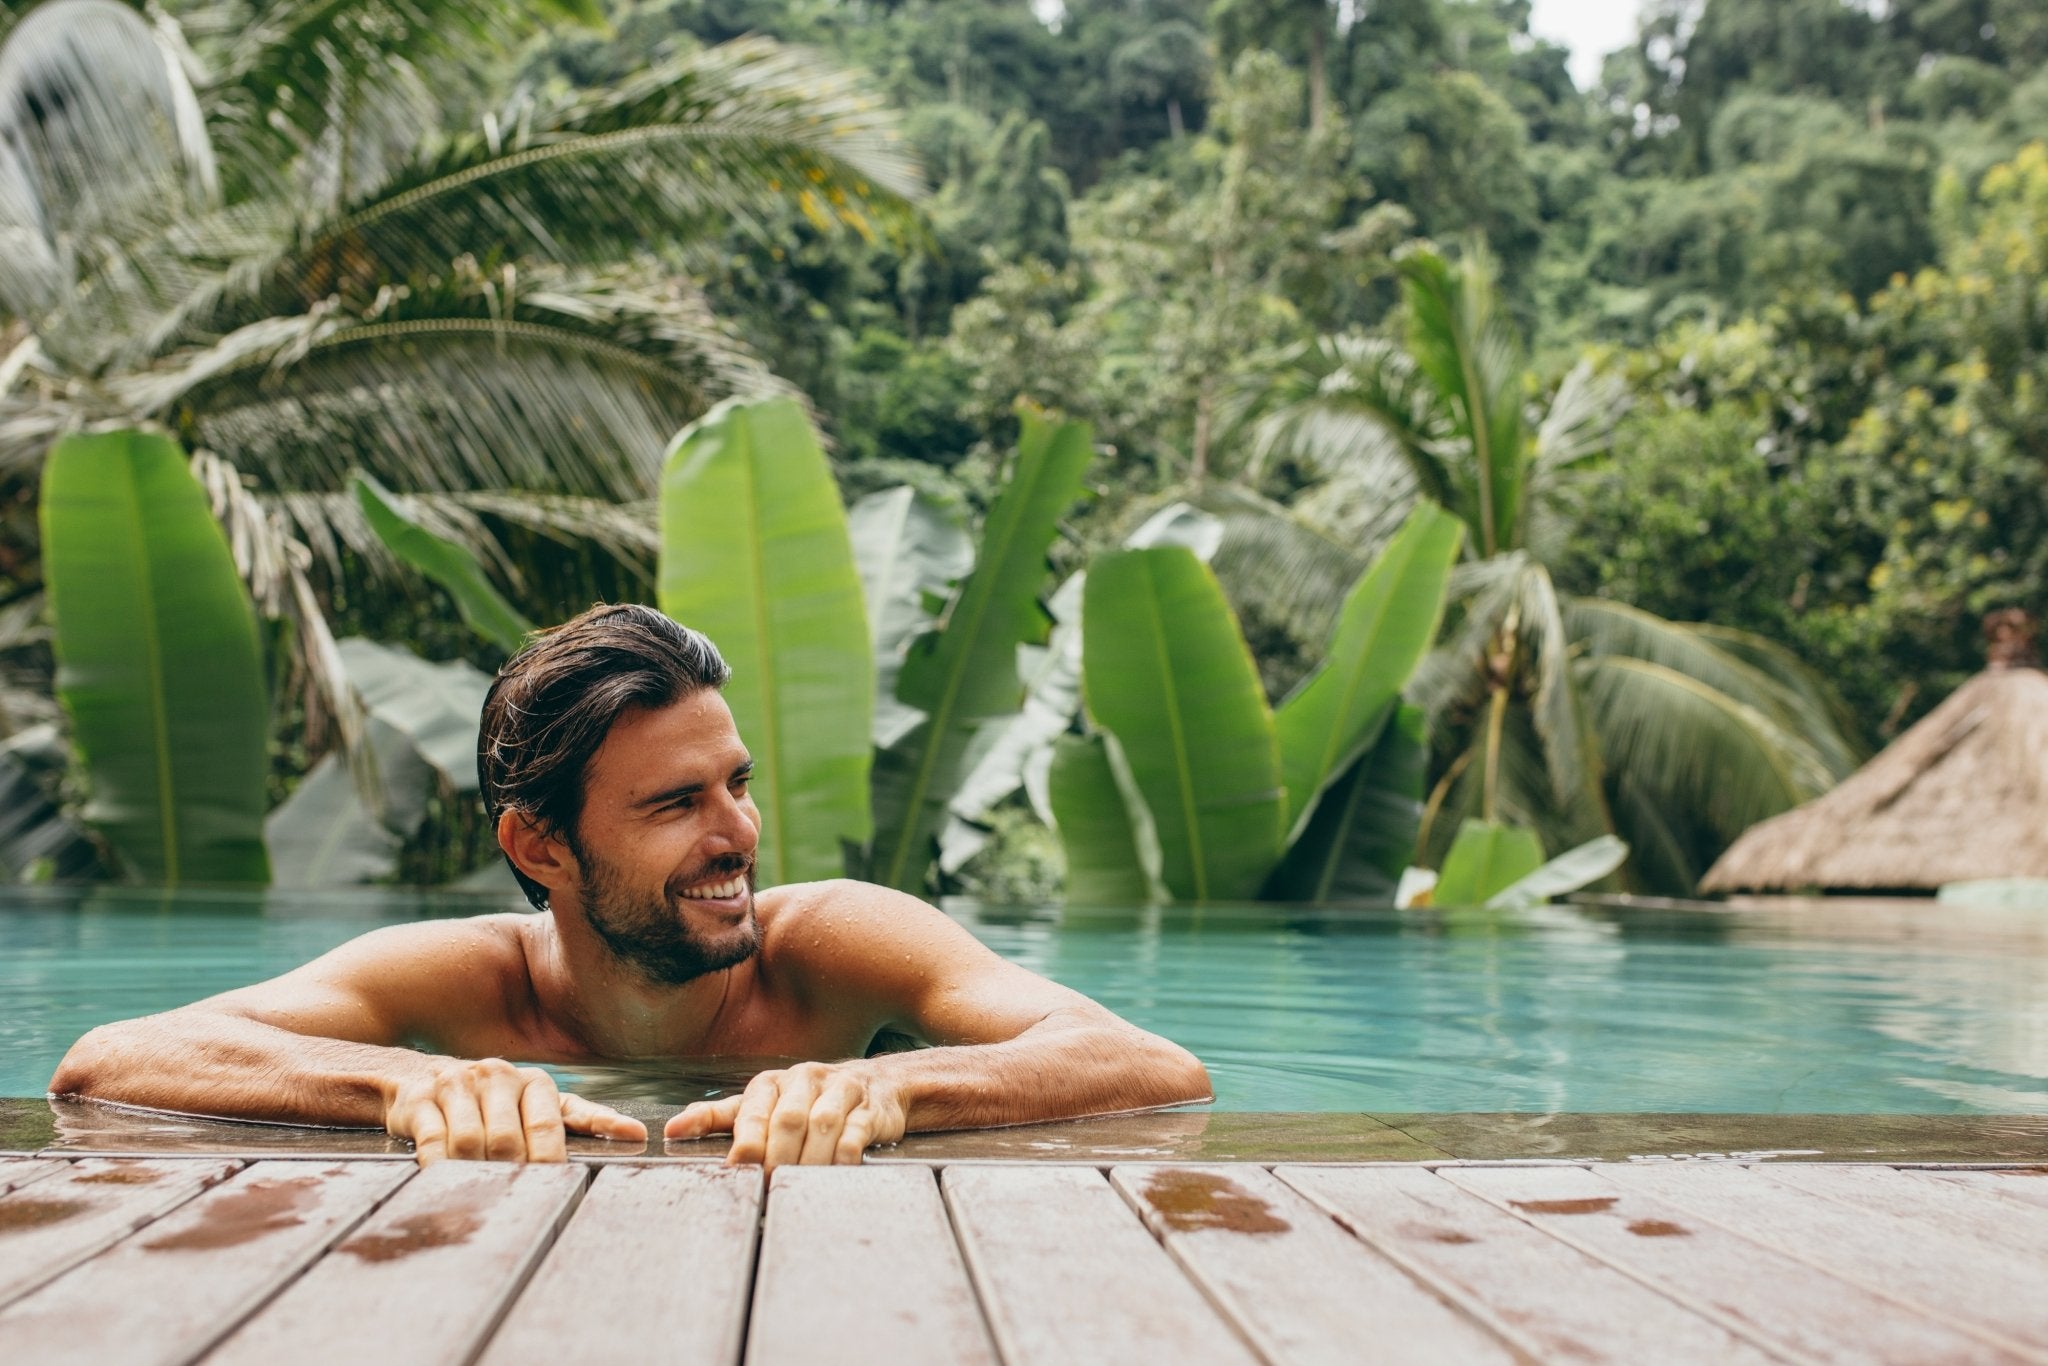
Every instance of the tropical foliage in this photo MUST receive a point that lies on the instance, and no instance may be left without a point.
(314, 258)
(1778, 418)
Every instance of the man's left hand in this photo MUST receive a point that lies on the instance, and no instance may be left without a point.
(813, 1114)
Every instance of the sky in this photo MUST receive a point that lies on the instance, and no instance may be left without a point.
(1590, 28)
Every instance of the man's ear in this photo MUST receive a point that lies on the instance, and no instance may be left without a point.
(543, 857)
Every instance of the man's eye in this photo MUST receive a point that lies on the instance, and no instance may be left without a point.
(739, 784)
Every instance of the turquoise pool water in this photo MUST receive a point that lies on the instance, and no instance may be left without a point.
(1823, 1007)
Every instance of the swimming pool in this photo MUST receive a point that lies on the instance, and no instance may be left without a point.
(1809, 1008)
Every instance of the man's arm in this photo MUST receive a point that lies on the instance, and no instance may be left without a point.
(320, 1045)
(1011, 1047)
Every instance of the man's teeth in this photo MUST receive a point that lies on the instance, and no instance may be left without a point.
(717, 891)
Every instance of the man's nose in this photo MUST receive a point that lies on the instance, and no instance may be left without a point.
(735, 829)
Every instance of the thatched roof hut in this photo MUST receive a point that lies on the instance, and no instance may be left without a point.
(1963, 795)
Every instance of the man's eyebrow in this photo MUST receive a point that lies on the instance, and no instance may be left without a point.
(742, 769)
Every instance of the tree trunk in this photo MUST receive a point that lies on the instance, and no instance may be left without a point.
(1198, 460)
(1173, 120)
(1318, 78)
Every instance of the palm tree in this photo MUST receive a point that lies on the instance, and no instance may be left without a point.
(1574, 716)
(260, 225)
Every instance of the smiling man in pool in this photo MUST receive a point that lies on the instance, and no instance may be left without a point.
(618, 786)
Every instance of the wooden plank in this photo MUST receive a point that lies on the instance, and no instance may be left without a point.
(1068, 1274)
(653, 1255)
(858, 1264)
(2028, 1185)
(56, 1223)
(1298, 1286)
(1553, 1301)
(1765, 1295)
(16, 1172)
(425, 1279)
(1976, 1215)
(1983, 1291)
(169, 1292)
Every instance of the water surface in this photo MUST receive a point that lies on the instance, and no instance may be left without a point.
(1833, 1007)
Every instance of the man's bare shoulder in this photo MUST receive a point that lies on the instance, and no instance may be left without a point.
(805, 919)
(399, 979)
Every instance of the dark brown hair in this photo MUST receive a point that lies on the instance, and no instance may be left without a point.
(553, 703)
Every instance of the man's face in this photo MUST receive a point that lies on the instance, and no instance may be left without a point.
(666, 842)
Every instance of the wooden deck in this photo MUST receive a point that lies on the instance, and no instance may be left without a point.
(221, 1259)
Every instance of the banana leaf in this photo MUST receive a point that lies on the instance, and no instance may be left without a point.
(451, 566)
(1166, 671)
(1485, 859)
(1361, 836)
(964, 672)
(1568, 872)
(1388, 622)
(436, 707)
(324, 836)
(908, 549)
(1052, 688)
(755, 553)
(1104, 841)
(158, 660)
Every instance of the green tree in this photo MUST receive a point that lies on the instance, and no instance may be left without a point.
(302, 265)
(1576, 717)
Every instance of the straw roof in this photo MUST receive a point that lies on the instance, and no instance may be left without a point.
(1962, 795)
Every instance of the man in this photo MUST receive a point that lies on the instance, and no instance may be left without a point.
(617, 784)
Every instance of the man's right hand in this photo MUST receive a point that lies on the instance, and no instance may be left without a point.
(490, 1110)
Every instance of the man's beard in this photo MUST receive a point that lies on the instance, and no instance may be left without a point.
(652, 936)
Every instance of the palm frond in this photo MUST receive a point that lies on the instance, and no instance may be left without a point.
(701, 141)
(101, 135)
(273, 565)
(1573, 766)
(1581, 419)
(1349, 408)
(345, 88)
(1695, 747)
(1787, 692)
(1466, 351)
(1452, 678)
(565, 384)
(1277, 562)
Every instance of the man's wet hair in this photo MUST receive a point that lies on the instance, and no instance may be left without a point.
(553, 703)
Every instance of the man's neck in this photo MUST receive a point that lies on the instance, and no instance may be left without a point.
(610, 1006)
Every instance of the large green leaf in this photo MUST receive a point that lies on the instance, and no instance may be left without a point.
(1486, 859)
(454, 567)
(965, 672)
(324, 836)
(1568, 872)
(909, 549)
(1166, 672)
(755, 554)
(436, 707)
(1103, 838)
(157, 659)
(1362, 835)
(1389, 621)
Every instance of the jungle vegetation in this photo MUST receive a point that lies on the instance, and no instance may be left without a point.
(1732, 367)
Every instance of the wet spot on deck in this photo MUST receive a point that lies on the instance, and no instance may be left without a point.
(119, 1176)
(415, 1233)
(1449, 1237)
(243, 1215)
(1658, 1228)
(17, 1216)
(1187, 1201)
(1598, 1204)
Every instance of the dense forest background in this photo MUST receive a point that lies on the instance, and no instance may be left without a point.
(1777, 284)
(1771, 215)
(1807, 233)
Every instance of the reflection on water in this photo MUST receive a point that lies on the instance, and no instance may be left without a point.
(1819, 1007)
